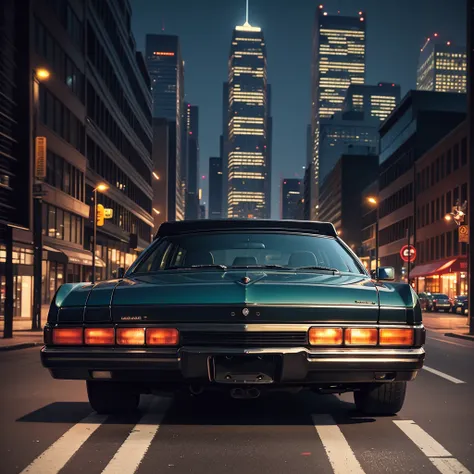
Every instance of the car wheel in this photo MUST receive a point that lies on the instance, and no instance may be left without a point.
(381, 399)
(108, 398)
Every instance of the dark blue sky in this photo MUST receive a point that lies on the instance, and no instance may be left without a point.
(395, 32)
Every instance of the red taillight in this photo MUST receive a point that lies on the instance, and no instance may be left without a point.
(99, 336)
(396, 337)
(131, 336)
(67, 336)
(325, 336)
(162, 337)
(361, 336)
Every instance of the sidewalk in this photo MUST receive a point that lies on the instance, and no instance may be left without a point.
(449, 324)
(21, 340)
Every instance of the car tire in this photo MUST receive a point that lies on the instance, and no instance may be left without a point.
(108, 398)
(381, 399)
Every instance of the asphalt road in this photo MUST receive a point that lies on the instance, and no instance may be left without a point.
(47, 426)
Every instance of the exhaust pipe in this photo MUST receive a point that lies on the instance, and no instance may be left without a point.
(196, 389)
(245, 394)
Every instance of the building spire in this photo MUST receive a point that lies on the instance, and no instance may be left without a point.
(247, 13)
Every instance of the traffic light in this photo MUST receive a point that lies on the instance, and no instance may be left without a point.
(100, 215)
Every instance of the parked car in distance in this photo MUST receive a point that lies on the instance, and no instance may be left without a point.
(460, 304)
(441, 302)
(243, 307)
(426, 301)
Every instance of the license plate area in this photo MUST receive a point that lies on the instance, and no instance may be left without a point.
(245, 369)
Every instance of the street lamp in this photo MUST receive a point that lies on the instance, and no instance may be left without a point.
(373, 201)
(40, 74)
(101, 187)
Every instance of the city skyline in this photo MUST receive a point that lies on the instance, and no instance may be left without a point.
(289, 59)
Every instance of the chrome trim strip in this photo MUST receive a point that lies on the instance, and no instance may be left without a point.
(358, 360)
(271, 327)
(343, 351)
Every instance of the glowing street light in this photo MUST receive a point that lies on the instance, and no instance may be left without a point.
(42, 74)
(375, 202)
(101, 187)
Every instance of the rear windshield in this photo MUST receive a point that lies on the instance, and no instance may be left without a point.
(440, 296)
(248, 250)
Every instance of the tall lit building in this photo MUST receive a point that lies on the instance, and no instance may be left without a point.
(192, 162)
(376, 101)
(247, 152)
(166, 69)
(442, 67)
(291, 199)
(338, 60)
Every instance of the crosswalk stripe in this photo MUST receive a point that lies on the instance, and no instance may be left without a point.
(443, 375)
(58, 454)
(340, 454)
(440, 457)
(129, 456)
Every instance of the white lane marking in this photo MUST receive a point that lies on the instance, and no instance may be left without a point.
(442, 374)
(340, 454)
(58, 454)
(447, 342)
(129, 456)
(440, 457)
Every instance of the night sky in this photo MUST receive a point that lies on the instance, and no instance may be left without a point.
(396, 30)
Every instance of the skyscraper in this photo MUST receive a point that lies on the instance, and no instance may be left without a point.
(246, 148)
(192, 165)
(290, 200)
(215, 188)
(374, 100)
(442, 67)
(166, 70)
(338, 61)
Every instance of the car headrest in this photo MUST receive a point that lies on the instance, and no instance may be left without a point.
(243, 261)
(302, 259)
(195, 257)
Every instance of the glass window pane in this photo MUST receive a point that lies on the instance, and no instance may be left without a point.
(59, 224)
(67, 226)
(51, 221)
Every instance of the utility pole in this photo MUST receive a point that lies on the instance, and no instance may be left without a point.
(470, 134)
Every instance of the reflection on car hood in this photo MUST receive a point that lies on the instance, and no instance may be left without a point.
(245, 286)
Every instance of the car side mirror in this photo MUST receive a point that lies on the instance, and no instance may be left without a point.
(120, 272)
(385, 274)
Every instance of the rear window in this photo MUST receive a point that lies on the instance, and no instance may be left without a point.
(248, 250)
(440, 296)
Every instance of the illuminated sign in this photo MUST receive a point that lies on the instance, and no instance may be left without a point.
(163, 53)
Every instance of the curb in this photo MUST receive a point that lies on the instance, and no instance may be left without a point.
(20, 345)
(466, 337)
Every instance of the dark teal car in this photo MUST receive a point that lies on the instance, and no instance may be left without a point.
(241, 306)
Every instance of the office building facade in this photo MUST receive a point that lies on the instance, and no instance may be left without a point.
(375, 101)
(97, 124)
(346, 133)
(291, 198)
(215, 187)
(247, 167)
(341, 196)
(420, 121)
(192, 162)
(166, 69)
(338, 60)
(442, 67)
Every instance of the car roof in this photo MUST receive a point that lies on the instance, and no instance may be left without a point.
(207, 225)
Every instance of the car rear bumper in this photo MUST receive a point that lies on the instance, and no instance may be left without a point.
(293, 366)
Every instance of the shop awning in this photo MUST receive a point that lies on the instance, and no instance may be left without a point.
(54, 255)
(74, 256)
(82, 258)
(440, 267)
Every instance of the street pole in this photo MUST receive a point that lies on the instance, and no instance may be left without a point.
(470, 134)
(94, 244)
(8, 313)
(409, 254)
(377, 238)
(37, 221)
